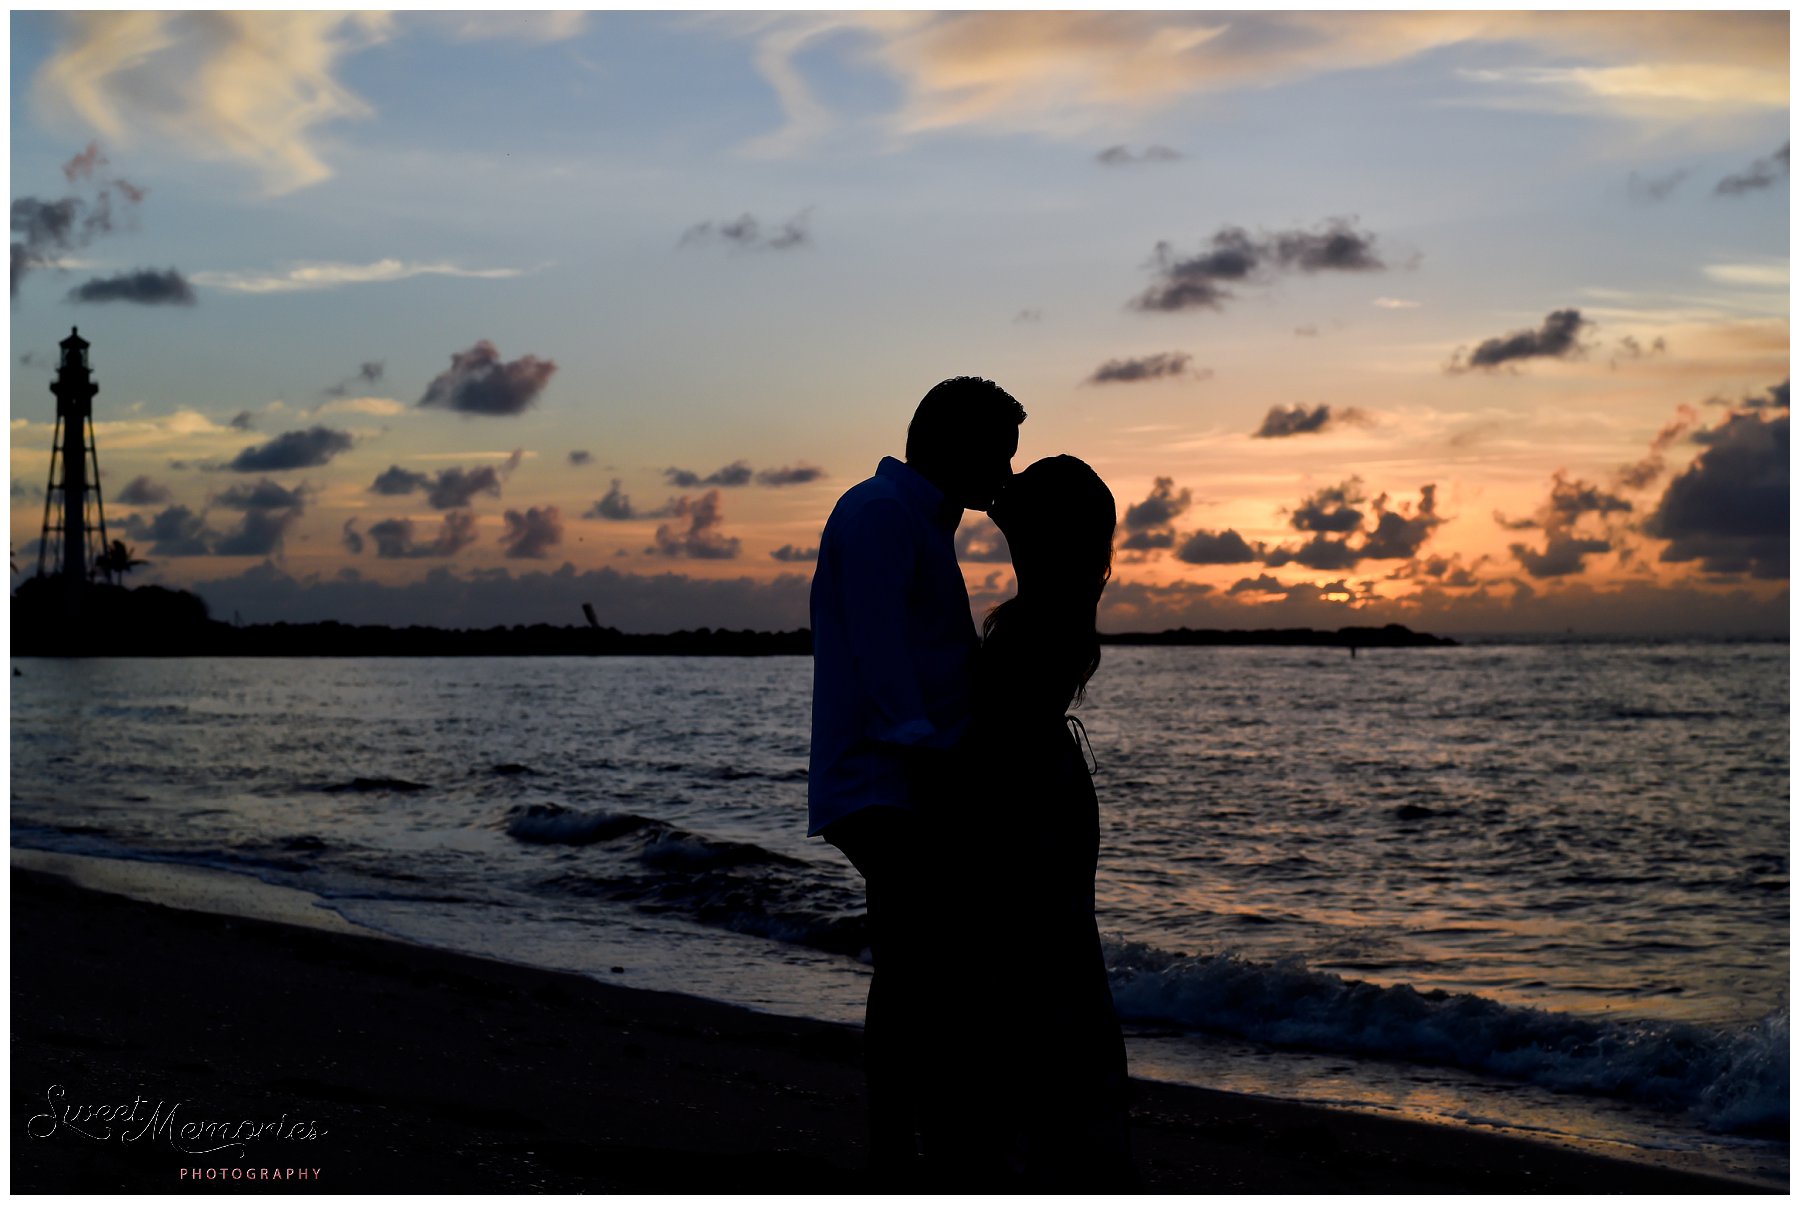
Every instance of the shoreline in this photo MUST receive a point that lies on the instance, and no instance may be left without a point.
(427, 1070)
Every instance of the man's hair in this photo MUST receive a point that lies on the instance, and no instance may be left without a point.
(957, 411)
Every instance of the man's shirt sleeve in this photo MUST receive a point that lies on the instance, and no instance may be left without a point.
(875, 561)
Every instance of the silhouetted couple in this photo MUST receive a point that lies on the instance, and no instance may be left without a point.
(946, 770)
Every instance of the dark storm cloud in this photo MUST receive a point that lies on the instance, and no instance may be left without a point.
(1398, 534)
(616, 505)
(141, 491)
(1564, 554)
(1655, 188)
(396, 480)
(258, 533)
(243, 420)
(176, 531)
(1559, 338)
(533, 532)
(701, 538)
(1260, 584)
(264, 495)
(1320, 552)
(1216, 548)
(1123, 156)
(1569, 500)
(1729, 508)
(352, 538)
(1148, 541)
(978, 541)
(579, 457)
(749, 234)
(1637, 475)
(1445, 571)
(1142, 368)
(292, 450)
(1775, 397)
(1236, 257)
(46, 230)
(479, 382)
(1281, 422)
(1160, 508)
(734, 474)
(369, 374)
(798, 474)
(455, 487)
(1331, 509)
(1764, 173)
(791, 553)
(394, 537)
(145, 286)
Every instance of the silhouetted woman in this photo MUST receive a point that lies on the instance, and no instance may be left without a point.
(1047, 1104)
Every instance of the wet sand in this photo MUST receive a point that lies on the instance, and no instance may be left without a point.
(388, 1067)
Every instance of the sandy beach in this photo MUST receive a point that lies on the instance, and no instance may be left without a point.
(151, 1044)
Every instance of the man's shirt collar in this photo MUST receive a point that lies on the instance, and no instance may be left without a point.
(925, 498)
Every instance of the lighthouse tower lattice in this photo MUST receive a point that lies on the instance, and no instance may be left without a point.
(66, 548)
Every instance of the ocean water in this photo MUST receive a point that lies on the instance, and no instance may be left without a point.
(1541, 888)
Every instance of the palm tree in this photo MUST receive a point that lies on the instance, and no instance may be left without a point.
(117, 560)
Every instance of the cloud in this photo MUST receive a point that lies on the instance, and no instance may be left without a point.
(1569, 500)
(145, 286)
(1148, 541)
(746, 233)
(1066, 75)
(579, 457)
(1260, 584)
(1144, 368)
(244, 87)
(352, 539)
(1029, 315)
(309, 277)
(702, 537)
(176, 531)
(292, 450)
(1394, 303)
(479, 382)
(1729, 508)
(258, 533)
(1236, 257)
(141, 491)
(538, 27)
(1563, 554)
(381, 407)
(734, 474)
(44, 231)
(1655, 188)
(1637, 475)
(978, 541)
(1320, 552)
(394, 537)
(1398, 534)
(1764, 173)
(1559, 338)
(369, 374)
(1216, 548)
(798, 474)
(1628, 348)
(1331, 509)
(396, 480)
(1160, 508)
(1279, 423)
(456, 487)
(533, 532)
(243, 420)
(616, 506)
(1123, 156)
(789, 552)
(264, 495)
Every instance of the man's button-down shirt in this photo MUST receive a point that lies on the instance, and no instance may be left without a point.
(893, 642)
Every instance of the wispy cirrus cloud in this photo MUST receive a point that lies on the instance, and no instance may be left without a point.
(246, 87)
(313, 276)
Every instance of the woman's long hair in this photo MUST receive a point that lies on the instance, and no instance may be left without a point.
(1059, 519)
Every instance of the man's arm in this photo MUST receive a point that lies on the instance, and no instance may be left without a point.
(874, 560)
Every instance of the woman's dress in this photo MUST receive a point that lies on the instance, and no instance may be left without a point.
(1031, 846)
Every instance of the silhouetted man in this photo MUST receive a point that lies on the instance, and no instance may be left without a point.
(893, 660)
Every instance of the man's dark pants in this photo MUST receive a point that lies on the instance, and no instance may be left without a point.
(885, 845)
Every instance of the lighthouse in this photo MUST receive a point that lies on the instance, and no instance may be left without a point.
(66, 549)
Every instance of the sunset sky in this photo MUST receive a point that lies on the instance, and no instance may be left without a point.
(1475, 322)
